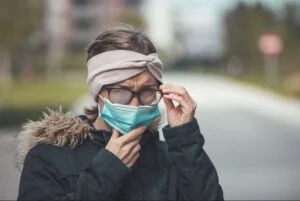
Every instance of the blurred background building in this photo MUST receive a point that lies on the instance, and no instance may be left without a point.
(209, 35)
(70, 25)
(76, 22)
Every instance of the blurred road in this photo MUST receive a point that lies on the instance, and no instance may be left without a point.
(252, 136)
(9, 175)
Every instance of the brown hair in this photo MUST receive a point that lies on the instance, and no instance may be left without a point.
(118, 38)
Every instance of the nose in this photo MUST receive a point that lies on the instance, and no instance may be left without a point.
(135, 101)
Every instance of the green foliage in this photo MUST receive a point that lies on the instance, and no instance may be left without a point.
(18, 18)
(15, 117)
(291, 28)
(26, 100)
(245, 23)
(132, 17)
(74, 61)
(41, 93)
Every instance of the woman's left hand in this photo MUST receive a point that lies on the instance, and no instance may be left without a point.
(184, 111)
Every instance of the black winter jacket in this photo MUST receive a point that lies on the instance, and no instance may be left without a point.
(70, 164)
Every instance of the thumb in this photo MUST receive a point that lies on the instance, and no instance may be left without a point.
(115, 134)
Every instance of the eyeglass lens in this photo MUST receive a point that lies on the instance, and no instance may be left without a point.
(124, 96)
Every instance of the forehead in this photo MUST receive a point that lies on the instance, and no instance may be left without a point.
(140, 79)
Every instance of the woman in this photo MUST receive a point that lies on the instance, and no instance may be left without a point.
(114, 153)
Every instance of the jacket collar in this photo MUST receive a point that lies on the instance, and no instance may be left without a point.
(55, 127)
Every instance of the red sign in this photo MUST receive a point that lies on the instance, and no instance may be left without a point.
(270, 44)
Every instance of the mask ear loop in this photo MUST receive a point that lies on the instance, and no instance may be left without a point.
(102, 98)
(103, 101)
(103, 134)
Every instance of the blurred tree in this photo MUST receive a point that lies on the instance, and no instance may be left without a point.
(244, 24)
(18, 20)
(132, 17)
(291, 28)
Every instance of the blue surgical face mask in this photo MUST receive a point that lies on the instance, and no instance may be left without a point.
(125, 118)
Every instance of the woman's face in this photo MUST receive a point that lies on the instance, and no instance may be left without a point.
(141, 82)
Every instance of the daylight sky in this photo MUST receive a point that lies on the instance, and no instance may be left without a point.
(222, 5)
(192, 15)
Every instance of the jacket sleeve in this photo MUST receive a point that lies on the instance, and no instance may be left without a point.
(99, 181)
(103, 178)
(197, 176)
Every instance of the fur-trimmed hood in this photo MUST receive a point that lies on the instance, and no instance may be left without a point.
(56, 127)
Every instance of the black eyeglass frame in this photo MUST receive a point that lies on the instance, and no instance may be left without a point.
(133, 94)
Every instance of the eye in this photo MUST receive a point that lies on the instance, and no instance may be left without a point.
(150, 96)
(120, 95)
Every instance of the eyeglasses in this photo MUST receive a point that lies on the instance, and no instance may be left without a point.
(124, 96)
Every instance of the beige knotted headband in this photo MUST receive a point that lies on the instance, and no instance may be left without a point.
(118, 65)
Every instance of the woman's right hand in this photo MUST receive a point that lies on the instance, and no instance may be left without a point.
(126, 147)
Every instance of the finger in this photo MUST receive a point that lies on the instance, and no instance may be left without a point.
(180, 89)
(131, 162)
(130, 145)
(177, 91)
(115, 134)
(132, 135)
(182, 102)
(169, 104)
(135, 149)
(128, 148)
